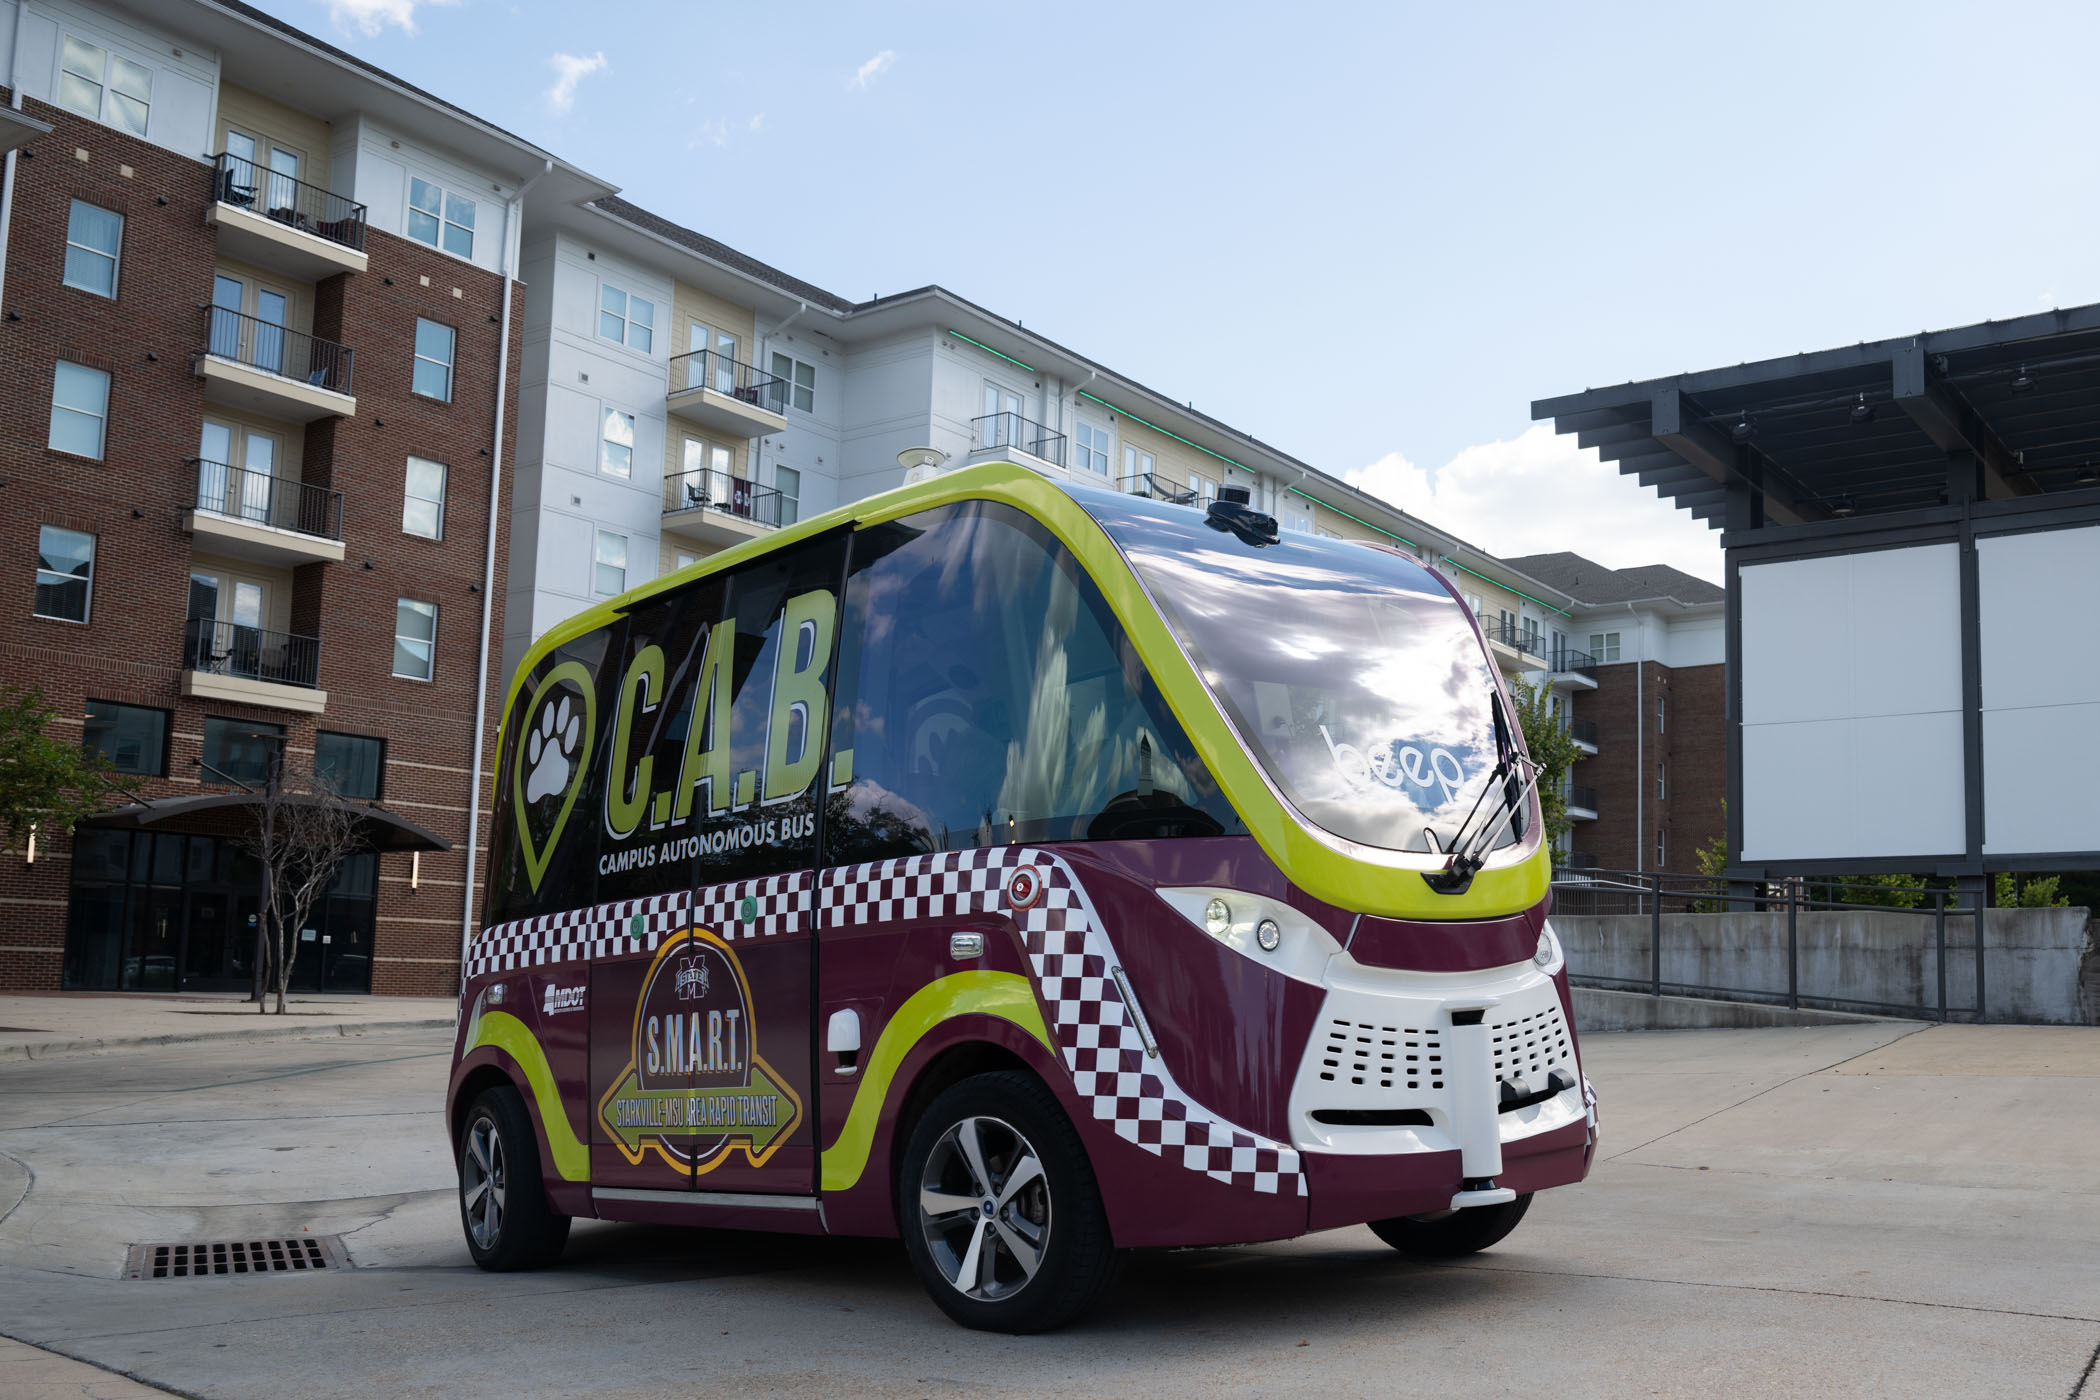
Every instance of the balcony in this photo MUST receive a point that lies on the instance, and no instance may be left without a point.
(1157, 487)
(287, 225)
(1000, 436)
(1584, 733)
(1516, 642)
(250, 666)
(266, 368)
(729, 396)
(1577, 670)
(253, 515)
(714, 508)
(1582, 803)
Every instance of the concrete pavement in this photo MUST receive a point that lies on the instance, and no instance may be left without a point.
(40, 1027)
(1864, 1210)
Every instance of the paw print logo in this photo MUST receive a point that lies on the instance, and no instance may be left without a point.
(550, 751)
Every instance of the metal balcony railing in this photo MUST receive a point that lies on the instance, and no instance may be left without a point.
(262, 499)
(1584, 731)
(708, 489)
(250, 340)
(1583, 797)
(705, 369)
(1513, 634)
(229, 649)
(1567, 658)
(1011, 430)
(241, 182)
(1158, 488)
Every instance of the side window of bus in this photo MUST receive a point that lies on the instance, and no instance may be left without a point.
(987, 695)
(543, 852)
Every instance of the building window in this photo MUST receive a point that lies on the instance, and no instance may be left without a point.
(1662, 781)
(102, 85)
(798, 384)
(1473, 604)
(1090, 447)
(134, 738)
(1662, 850)
(1137, 474)
(92, 238)
(788, 482)
(433, 374)
(1604, 646)
(440, 218)
(65, 561)
(239, 750)
(423, 499)
(625, 319)
(79, 409)
(1661, 713)
(350, 763)
(616, 448)
(684, 559)
(415, 638)
(609, 565)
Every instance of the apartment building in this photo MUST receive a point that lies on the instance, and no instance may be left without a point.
(1645, 677)
(255, 301)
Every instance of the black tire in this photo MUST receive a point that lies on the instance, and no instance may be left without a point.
(498, 1152)
(1452, 1236)
(1011, 1117)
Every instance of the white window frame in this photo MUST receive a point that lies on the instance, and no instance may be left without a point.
(1662, 714)
(1604, 646)
(106, 90)
(606, 444)
(408, 494)
(1662, 782)
(799, 386)
(87, 610)
(114, 258)
(1093, 448)
(448, 366)
(790, 501)
(442, 217)
(625, 318)
(430, 660)
(1662, 847)
(99, 415)
(600, 561)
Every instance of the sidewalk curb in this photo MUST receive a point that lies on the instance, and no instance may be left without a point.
(52, 1050)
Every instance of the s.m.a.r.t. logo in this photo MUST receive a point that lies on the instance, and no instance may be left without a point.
(559, 728)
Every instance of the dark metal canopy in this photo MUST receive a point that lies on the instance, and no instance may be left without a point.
(1864, 430)
(234, 814)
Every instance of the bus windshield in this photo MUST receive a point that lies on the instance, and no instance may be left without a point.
(1352, 674)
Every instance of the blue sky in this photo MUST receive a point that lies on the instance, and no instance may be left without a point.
(1370, 235)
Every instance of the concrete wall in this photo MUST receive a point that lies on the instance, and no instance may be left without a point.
(2035, 960)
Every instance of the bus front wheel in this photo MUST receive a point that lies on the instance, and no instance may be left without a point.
(999, 1209)
(502, 1204)
(1452, 1234)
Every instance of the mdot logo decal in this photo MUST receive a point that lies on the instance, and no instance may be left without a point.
(561, 727)
(695, 1087)
(560, 999)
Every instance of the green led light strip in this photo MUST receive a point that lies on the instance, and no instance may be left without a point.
(1169, 432)
(990, 351)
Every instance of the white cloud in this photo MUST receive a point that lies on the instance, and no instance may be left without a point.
(1541, 494)
(371, 16)
(756, 124)
(871, 70)
(569, 70)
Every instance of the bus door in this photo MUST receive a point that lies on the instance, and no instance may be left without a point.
(700, 1059)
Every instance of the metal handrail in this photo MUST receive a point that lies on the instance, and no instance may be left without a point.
(1583, 731)
(708, 369)
(996, 430)
(1583, 796)
(707, 488)
(288, 200)
(262, 499)
(230, 649)
(265, 345)
(1567, 658)
(1151, 484)
(1511, 635)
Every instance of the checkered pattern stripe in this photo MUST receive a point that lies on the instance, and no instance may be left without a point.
(780, 904)
(1096, 1030)
(577, 935)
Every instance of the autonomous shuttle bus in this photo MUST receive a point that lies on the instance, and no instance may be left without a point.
(1032, 871)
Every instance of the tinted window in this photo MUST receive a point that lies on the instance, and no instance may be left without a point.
(239, 749)
(989, 696)
(134, 738)
(350, 763)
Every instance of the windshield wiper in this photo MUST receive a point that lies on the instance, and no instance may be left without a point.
(1515, 776)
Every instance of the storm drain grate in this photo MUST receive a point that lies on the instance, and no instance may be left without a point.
(301, 1254)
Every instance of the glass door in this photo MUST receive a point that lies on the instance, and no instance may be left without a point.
(203, 623)
(271, 309)
(284, 188)
(696, 344)
(215, 469)
(725, 364)
(1002, 409)
(242, 177)
(228, 296)
(207, 942)
(258, 479)
(153, 943)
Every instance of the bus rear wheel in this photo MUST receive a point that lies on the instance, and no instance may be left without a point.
(999, 1209)
(1452, 1234)
(502, 1203)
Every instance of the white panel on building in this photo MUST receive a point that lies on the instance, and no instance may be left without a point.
(2040, 764)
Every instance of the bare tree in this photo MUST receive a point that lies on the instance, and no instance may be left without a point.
(304, 831)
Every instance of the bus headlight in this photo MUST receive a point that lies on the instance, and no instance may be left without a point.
(1548, 955)
(1266, 930)
(1268, 934)
(1217, 918)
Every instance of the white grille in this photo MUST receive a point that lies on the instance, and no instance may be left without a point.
(1370, 1056)
(1531, 1045)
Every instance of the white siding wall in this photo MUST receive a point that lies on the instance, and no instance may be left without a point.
(185, 82)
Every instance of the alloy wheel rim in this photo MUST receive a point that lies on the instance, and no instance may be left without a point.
(482, 1183)
(984, 1208)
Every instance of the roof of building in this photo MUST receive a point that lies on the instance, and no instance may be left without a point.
(1590, 582)
(717, 251)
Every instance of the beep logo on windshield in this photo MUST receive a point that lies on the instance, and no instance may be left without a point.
(1429, 774)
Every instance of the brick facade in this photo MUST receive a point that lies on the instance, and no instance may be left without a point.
(1690, 743)
(133, 499)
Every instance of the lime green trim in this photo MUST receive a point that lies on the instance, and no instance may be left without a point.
(1006, 995)
(1355, 878)
(1166, 432)
(507, 1033)
(990, 351)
